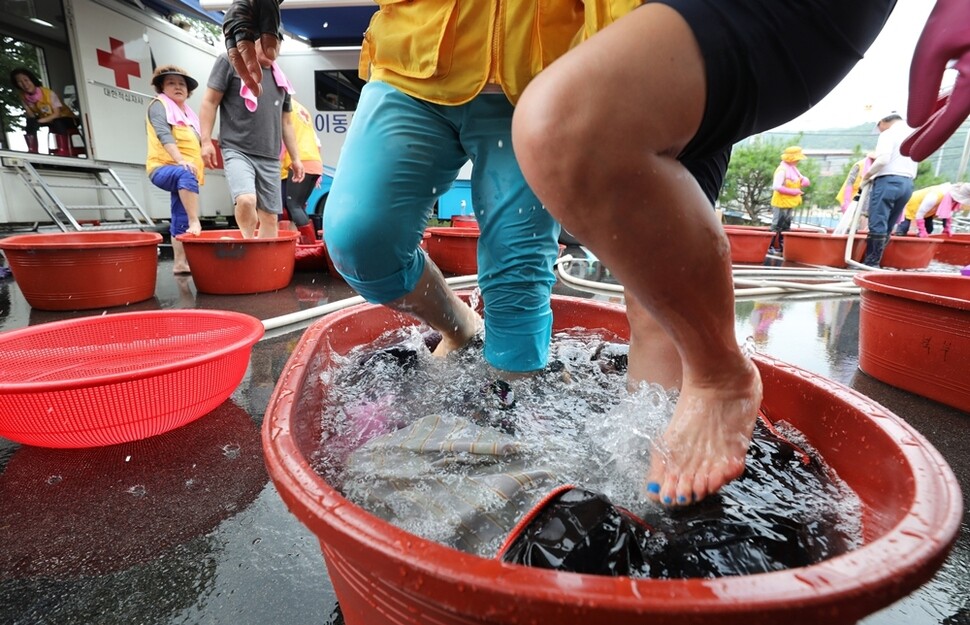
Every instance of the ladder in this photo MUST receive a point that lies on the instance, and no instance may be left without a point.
(90, 180)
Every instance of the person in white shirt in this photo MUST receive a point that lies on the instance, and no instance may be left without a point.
(891, 184)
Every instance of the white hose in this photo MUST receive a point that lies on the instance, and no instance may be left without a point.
(325, 309)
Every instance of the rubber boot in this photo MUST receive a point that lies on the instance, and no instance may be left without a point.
(63, 145)
(31, 143)
(307, 235)
(875, 245)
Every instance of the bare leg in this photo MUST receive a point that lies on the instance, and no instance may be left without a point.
(642, 213)
(653, 355)
(180, 264)
(245, 213)
(269, 225)
(190, 201)
(433, 301)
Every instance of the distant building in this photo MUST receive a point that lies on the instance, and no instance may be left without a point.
(831, 162)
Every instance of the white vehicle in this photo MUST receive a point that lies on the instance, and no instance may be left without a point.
(99, 55)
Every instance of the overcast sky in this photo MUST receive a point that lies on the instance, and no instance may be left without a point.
(879, 84)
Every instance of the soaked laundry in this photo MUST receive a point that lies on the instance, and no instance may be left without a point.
(547, 471)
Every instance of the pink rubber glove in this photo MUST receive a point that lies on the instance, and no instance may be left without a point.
(936, 115)
(921, 226)
(946, 228)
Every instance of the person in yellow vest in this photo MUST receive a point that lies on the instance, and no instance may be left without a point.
(43, 108)
(786, 192)
(174, 161)
(295, 194)
(852, 186)
(937, 201)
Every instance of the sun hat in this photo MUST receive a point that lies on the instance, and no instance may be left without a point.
(792, 154)
(960, 193)
(172, 70)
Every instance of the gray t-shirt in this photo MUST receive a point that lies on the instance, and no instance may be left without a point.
(258, 133)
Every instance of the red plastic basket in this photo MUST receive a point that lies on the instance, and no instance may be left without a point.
(118, 378)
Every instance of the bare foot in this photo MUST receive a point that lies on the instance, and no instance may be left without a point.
(707, 439)
(467, 325)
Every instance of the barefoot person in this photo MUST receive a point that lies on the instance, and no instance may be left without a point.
(252, 123)
(174, 161)
(609, 146)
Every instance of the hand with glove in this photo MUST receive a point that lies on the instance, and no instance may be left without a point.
(921, 226)
(244, 22)
(947, 232)
(937, 115)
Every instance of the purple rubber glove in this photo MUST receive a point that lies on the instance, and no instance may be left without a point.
(921, 226)
(936, 115)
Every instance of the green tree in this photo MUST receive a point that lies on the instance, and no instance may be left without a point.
(14, 54)
(747, 184)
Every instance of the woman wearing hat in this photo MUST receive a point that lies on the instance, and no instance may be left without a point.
(174, 161)
(786, 191)
(938, 201)
(43, 108)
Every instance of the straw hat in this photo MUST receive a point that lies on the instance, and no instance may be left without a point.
(172, 70)
(792, 154)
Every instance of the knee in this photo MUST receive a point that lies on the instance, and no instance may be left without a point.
(246, 202)
(547, 135)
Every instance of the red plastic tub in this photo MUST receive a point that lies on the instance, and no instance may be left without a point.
(224, 263)
(464, 221)
(908, 252)
(821, 248)
(383, 575)
(111, 379)
(914, 333)
(84, 270)
(454, 250)
(953, 250)
(749, 244)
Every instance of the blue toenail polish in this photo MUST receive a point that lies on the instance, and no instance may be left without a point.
(668, 500)
(682, 499)
(653, 487)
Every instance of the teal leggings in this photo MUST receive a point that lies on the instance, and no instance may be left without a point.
(400, 155)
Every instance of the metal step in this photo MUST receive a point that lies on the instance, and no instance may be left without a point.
(104, 180)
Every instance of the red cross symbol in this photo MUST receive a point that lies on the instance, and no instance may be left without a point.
(118, 63)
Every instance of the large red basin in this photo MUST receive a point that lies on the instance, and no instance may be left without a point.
(224, 263)
(954, 250)
(914, 333)
(454, 250)
(84, 270)
(908, 252)
(821, 248)
(749, 244)
(383, 575)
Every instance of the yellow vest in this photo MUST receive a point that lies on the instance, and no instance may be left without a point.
(306, 142)
(45, 105)
(779, 200)
(445, 51)
(912, 206)
(601, 13)
(185, 140)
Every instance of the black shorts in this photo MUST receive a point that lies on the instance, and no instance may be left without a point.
(767, 62)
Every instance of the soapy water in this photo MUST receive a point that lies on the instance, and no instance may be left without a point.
(443, 450)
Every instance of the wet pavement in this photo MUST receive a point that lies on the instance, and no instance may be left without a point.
(187, 528)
